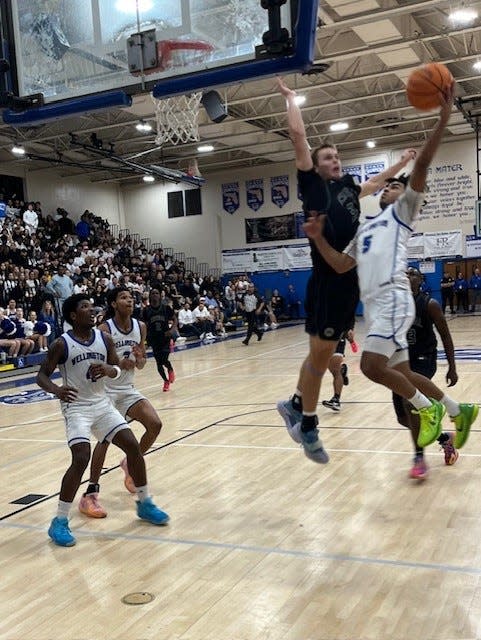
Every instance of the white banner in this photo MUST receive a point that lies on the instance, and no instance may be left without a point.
(267, 259)
(297, 257)
(236, 261)
(416, 247)
(473, 247)
(442, 244)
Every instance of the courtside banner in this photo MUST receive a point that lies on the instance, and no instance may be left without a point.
(280, 190)
(237, 261)
(297, 257)
(473, 247)
(443, 244)
(416, 246)
(270, 259)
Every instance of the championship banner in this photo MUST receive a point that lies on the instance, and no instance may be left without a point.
(255, 193)
(297, 257)
(230, 197)
(473, 247)
(355, 170)
(280, 190)
(443, 244)
(271, 229)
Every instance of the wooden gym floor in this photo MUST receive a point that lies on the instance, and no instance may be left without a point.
(263, 544)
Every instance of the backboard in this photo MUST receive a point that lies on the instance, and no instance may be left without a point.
(89, 54)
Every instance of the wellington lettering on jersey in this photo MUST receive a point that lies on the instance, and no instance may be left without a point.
(125, 343)
(88, 356)
(373, 225)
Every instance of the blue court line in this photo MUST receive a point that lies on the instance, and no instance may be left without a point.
(279, 551)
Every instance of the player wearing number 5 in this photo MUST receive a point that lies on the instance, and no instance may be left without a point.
(85, 357)
(379, 250)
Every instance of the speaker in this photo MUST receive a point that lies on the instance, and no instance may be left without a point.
(216, 110)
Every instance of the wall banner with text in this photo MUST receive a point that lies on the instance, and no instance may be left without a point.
(443, 244)
(280, 190)
(230, 197)
(473, 247)
(271, 229)
(255, 193)
(258, 259)
(355, 170)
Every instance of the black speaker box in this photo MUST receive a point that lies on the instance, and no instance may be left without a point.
(216, 110)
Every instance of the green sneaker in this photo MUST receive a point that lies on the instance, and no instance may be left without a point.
(430, 427)
(463, 421)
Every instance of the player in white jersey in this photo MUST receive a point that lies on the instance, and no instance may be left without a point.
(128, 335)
(85, 357)
(379, 249)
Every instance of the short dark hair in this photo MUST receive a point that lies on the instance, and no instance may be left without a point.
(71, 304)
(324, 145)
(112, 297)
(403, 179)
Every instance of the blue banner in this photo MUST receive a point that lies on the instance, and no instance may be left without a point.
(300, 218)
(355, 170)
(230, 197)
(280, 190)
(255, 193)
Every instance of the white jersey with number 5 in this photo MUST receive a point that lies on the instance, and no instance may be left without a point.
(124, 341)
(380, 245)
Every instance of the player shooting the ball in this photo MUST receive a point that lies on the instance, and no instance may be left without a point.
(386, 292)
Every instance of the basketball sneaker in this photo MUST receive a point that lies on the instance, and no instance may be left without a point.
(90, 506)
(430, 419)
(463, 421)
(290, 416)
(128, 480)
(450, 453)
(312, 445)
(171, 376)
(333, 404)
(345, 379)
(419, 470)
(166, 386)
(147, 510)
(60, 533)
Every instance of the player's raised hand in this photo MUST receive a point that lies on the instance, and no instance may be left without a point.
(284, 89)
(408, 154)
(314, 226)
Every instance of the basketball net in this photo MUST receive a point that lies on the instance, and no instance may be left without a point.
(177, 119)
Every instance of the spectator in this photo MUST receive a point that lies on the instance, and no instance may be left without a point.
(61, 286)
(83, 227)
(203, 320)
(30, 219)
(293, 303)
(475, 288)
(447, 292)
(187, 322)
(461, 290)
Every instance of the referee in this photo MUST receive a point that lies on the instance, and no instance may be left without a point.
(252, 305)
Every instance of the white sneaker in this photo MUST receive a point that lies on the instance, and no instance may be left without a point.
(181, 339)
(266, 326)
(274, 325)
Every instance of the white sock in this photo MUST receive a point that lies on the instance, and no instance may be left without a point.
(298, 393)
(419, 400)
(142, 493)
(63, 509)
(451, 405)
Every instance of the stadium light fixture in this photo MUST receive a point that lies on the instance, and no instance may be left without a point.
(205, 148)
(148, 178)
(339, 126)
(143, 126)
(370, 144)
(18, 150)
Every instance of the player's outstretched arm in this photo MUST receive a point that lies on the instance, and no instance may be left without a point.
(419, 174)
(377, 182)
(297, 130)
(314, 228)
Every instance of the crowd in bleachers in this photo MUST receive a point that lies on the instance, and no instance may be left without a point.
(46, 258)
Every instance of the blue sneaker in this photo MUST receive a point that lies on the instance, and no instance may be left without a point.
(291, 417)
(312, 445)
(60, 532)
(147, 510)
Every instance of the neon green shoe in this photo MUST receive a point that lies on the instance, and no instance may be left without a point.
(430, 419)
(463, 421)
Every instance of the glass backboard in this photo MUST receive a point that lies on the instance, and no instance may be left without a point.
(71, 49)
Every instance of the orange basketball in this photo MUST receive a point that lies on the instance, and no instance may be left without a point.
(425, 83)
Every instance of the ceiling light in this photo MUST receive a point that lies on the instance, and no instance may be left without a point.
(18, 150)
(130, 6)
(339, 126)
(477, 65)
(370, 144)
(145, 127)
(299, 100)
(204, 148)
(463, 15)
(148, 178)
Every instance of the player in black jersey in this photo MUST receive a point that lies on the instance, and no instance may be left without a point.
(331, 298)
(422, 359)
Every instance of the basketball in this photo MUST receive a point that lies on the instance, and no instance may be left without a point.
(425, 83)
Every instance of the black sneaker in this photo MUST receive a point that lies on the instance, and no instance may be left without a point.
(345, 379)
(245, 342)
(333, 404)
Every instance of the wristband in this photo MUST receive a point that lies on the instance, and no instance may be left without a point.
(117, 371)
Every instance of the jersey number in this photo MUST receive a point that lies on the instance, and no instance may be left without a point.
(366, 243)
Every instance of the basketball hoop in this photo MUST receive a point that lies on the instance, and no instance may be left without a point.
(177, 119)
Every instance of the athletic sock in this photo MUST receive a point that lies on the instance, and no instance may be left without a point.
(63, 509)
(451, 405)
(142, 493)
(419, 401)
(309, 422)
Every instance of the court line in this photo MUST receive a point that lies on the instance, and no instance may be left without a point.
(279, 551)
